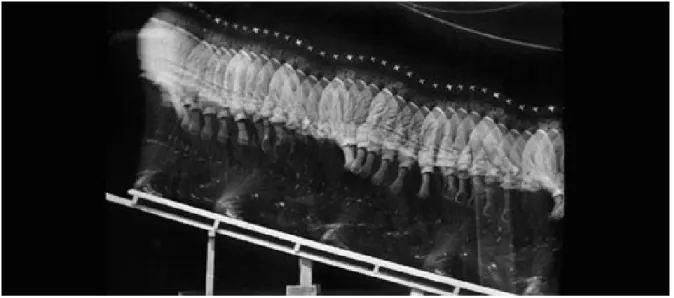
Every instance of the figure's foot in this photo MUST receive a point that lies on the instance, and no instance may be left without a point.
(460, 197)
(435, 261)
(423, 193)
(558, 210)
(243, 138)
(142, 180)
(150, 190)
(449, 193)
(266, 145)
(354, 167)
(378, 178)
(534, 287)
(333, 236)
(364, 171)
(396, 187)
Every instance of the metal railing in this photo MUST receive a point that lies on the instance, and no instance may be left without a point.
(326, 254)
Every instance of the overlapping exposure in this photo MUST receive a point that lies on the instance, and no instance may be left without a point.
(352, 156)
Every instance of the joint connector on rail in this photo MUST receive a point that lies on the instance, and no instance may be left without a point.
(214, 228)
(134, 201)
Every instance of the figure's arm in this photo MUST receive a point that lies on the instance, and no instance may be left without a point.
(375, 137)
(396, 118)
(363, 129)
(427, 151)
(407, 154)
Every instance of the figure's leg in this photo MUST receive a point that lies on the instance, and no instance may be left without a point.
(361, 154)
(157, 147)
(366, 169)
(542, 240)
(380, 175)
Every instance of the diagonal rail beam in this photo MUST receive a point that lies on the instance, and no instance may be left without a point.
(295, 248)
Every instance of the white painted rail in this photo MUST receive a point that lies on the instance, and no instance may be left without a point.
(222, 225)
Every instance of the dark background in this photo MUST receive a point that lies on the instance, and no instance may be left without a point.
(148, 255)
(57, 61)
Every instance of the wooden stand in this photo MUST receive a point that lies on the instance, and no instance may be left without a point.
(305, 288)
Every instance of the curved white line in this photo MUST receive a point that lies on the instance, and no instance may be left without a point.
(489, 10)
(490, 36)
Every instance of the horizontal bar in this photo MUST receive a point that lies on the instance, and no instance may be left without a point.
(309, 243)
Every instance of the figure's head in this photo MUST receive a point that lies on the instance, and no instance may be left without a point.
(533, 125)
(379, 80)
(451, 104)
(246, 47)
(341, 73)
(375, 79)
(396, 86)
(555, 123)
(417, 99)
(388, 83)
(276, 53)
(545, 123)
(474, 106)
(290, 58)
(364, 76)
(404, 92)
(523, 124)
(303, 64)
(512, 122)
(499, 115)
(256, 48)
(350, 74)
(328, 73)
(214, 38)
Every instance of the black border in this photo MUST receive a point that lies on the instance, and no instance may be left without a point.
(52, 195)
(616, 229)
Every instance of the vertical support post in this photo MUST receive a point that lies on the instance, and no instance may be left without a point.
(416, 292)
(306, 286)
(210, 259)
(306, 272)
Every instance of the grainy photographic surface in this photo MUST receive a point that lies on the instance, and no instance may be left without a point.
(426, 135)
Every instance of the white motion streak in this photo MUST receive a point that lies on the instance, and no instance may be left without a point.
(488, 10)
(487, 35)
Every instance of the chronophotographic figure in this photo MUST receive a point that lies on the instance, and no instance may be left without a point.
(330, 134)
